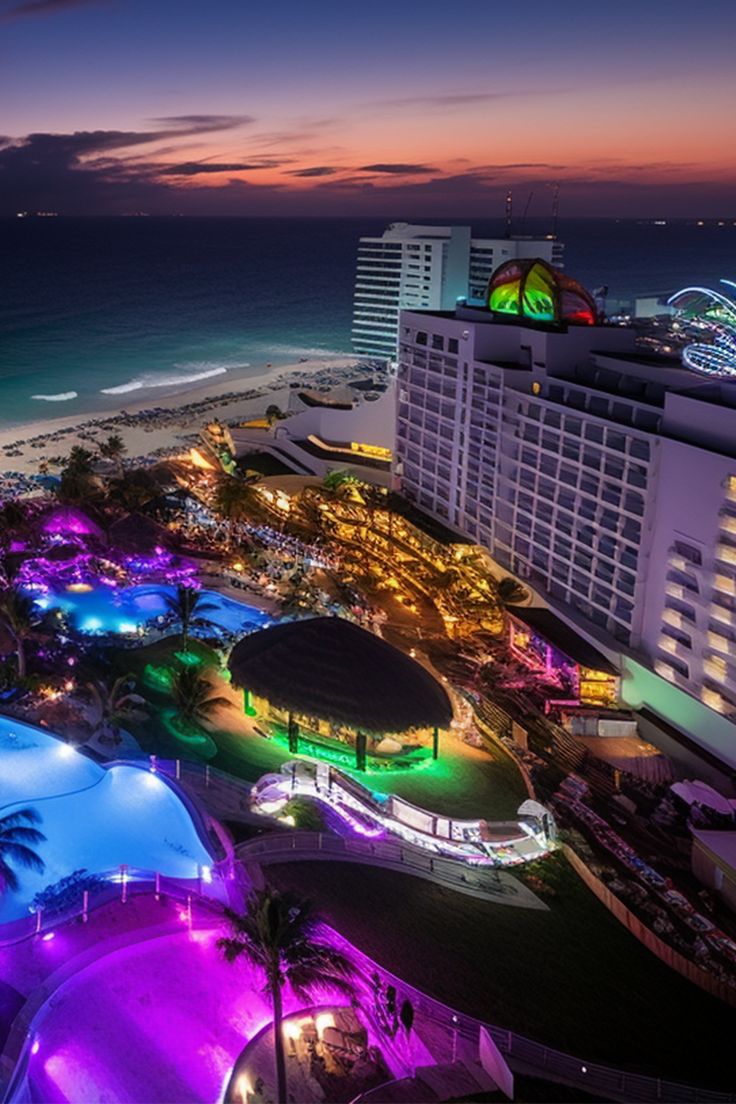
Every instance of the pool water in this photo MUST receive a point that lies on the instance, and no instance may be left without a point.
(93, 817)
(105, 609)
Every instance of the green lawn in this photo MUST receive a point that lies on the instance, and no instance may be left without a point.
(463, 782)
(572, 977)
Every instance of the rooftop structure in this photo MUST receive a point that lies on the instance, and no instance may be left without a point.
(708, 316)
(535, 290)
(427, 268)
(603, 475)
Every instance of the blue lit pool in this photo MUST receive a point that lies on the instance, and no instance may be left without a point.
(93, 817)
(106, 609)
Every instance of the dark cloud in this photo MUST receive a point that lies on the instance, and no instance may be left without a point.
(316, 170)
(80, 173)
(200, 124)
(522, 165)
(397, 169)
(194, 168)
(465, 99)
(44, 7)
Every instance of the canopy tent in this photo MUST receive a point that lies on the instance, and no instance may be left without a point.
(700, 793)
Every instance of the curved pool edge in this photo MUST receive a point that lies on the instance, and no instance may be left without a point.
(209, 834)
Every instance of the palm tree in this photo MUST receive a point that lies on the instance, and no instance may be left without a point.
(193, 697)
(511, 592)
(113, 704)
(17, 842)
(133, 489)
(77, 479)
(235, 500)
(187, 606)
(279, 932)
(114, 449)
(19, 615)
(337, 479)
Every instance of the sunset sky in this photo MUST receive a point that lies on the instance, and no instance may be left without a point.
(401, 108)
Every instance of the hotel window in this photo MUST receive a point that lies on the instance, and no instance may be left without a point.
(640, 449)
(689, 552)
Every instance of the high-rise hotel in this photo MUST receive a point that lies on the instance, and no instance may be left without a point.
(426, 268)
(601, 474)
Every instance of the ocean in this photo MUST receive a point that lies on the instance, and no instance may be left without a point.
(94, 311)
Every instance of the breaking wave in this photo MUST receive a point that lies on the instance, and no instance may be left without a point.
(63, 396)
(143, 383)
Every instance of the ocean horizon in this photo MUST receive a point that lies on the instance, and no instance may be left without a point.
(94, 312)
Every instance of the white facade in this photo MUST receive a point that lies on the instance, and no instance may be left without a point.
(426, 268)
(603, 476)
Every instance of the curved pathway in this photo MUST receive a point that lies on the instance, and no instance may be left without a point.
(476, 881)
(75, 1033)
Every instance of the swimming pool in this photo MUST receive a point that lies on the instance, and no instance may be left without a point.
(93, 817)
(106, 609)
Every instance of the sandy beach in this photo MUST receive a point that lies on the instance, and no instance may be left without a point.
(162, 425)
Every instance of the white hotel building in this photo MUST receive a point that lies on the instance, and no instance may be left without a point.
(426, 268)
(603, 476)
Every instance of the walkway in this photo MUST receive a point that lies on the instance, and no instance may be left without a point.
(476, 881)
(130, 991)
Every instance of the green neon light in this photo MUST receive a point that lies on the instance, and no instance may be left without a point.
(158, 678)
(248, 708)
(345, 760)
(189, 659)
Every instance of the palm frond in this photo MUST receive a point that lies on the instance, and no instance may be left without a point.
(20, 816)
(23, 856)
(8, 877)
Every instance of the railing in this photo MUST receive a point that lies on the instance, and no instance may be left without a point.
(476, 881)
(122, 883)
(522, 1052)
(543, 1061)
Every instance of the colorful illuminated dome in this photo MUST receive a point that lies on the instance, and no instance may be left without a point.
(709, 317)
(535, 290)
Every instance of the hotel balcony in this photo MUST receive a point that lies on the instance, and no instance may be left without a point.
(677, 620)
(714, 700)
(683, 593)
(716, 669)
(725, 584)
(663, 668)
(678, 561)
(722, 644)
(718, 613)
(674, 647)
(726, 553)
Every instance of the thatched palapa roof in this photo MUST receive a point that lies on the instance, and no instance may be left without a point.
(330, 668)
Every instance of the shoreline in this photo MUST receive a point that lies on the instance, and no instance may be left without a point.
(174, 419)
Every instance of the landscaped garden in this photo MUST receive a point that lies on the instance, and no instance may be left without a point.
(572, 977)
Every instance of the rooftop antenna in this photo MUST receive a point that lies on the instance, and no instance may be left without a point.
(509, 210)
(526, 210)
(555, 207)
